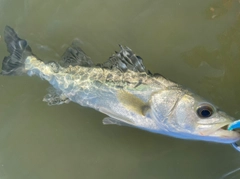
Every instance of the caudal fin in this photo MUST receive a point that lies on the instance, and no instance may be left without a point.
(19, 51)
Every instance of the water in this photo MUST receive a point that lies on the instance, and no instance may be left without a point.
(195, 43)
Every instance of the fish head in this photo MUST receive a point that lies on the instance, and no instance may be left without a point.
(186, 115)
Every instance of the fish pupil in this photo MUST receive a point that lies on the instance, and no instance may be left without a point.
(205, 111)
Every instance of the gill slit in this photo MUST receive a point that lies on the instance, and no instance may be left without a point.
(173, 107)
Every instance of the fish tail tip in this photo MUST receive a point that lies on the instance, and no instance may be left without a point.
(18, 49)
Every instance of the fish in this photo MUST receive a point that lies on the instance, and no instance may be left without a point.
(123, 89)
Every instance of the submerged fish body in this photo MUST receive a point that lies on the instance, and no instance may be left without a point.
(122, 89)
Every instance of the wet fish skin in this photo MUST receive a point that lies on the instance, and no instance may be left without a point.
(123, 90)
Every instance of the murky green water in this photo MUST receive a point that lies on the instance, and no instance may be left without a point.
(195, 43)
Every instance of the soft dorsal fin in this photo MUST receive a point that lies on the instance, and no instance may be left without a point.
(124, 60)
(75, 56)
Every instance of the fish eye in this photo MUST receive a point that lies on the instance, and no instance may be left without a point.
(205, 111)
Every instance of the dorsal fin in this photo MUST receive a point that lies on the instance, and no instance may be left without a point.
(124, 60)
(75, 56)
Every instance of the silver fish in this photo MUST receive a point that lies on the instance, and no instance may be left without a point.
(122, 89)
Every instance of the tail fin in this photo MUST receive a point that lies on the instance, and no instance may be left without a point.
(19, 51)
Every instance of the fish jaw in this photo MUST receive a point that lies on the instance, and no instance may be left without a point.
(226, 136)
(220, 135)
(217, 128)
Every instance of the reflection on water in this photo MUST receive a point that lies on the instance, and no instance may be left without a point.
(219, 8)
(231, 173)
(196, 44)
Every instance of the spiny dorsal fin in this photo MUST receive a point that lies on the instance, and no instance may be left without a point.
(125, 60)
(75, 56)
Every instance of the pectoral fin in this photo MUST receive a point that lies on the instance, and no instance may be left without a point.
(133, 103)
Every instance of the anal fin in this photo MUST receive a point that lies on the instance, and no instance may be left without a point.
(55, 97)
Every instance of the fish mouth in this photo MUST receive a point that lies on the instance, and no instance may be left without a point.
(227, 135)
(221, 133)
